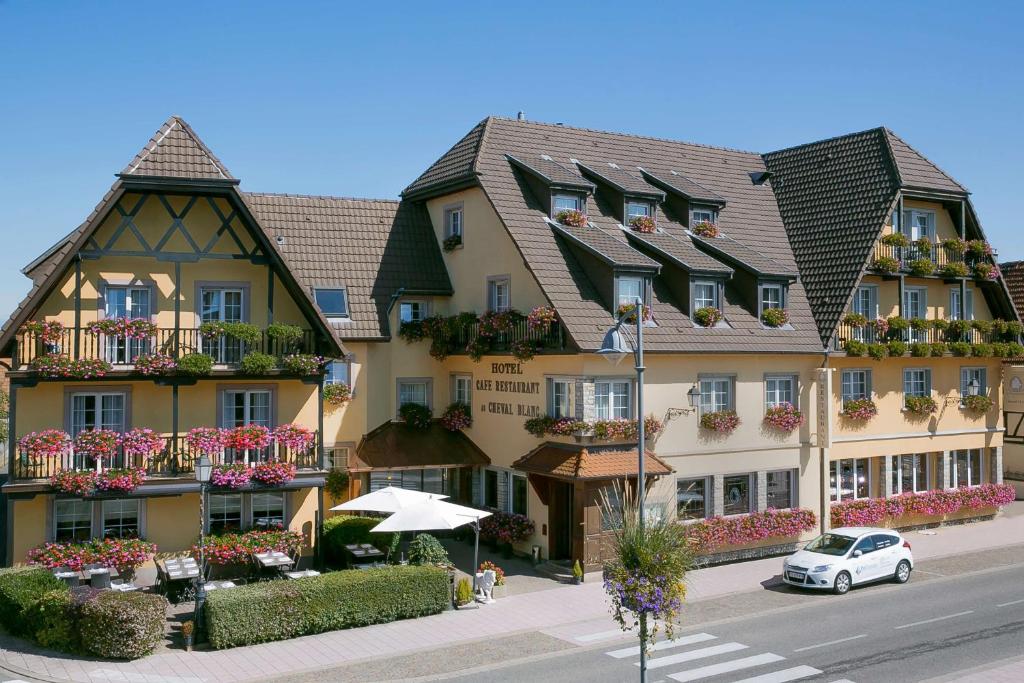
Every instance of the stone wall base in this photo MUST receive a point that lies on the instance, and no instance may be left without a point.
(746, 554)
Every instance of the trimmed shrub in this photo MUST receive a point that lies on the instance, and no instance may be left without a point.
(939, 349)
(463, 592)
(256, 363)
(877, 351)
(278, 610)
(960, 348)
(1000, 349)
(122, 625)
(20, 587)
(425, 549)
(1014, 350)
(51, 621)
(854, 347)
(195, 364)
(348, 529)
(920, 349)
(981, 350)
(897, 348)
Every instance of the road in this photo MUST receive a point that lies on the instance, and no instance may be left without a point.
(927, 628)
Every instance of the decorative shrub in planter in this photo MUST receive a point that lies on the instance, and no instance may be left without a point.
(954, 269)
(895, 239)
(572, 218)
(708, 535)
(303, 364)
(878, 351)
(155, 364)
(47, 443)
(623, 429)
(705, 229)
(981, 350)
(922, 267)
(97, 443)
(142, 442)
(985, 271)
(855, 320)
(886, 264)
(897, 348)
(897, 323)
(47, 331)
(76, 483)
(273, 472)
(956, 329)
(233, 476)
(920, 405)
(463, 593)
(257, 363)
(721, 421)
(294, 437)
(960, 348)
(248, 437)
(287, 336)
(853, 347)
(642, 224)
(774, 317)
(506, 527)
(920, 349)
(452, 242)
(125, 554)
(195, 364)
(876, 511)
(120, 480)
(783, 417)
(132, 328)
(707, 316)
(457, 417)
(524, 349)
(337, 394)
(859, 409)
(541, 318)
(983, 326)
(977, 403)
(247, 333)
(416, 416)
(206, 440)
(920, 324)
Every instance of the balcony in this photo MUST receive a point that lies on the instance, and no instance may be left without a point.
(174, 460)
(870, 334)
(465, 337)
(121, 351)
(946, 261)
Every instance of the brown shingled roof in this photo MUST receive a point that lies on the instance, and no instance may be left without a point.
(395, 445)
(552, 172)
(621, 179)
(175, 151)
(455, 165)
(677, 183)
(577, 461)
(1013, 276)
(916, 170)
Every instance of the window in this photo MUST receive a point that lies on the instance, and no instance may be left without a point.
(883, 541)
(518, 494)
(611, 507)
(566, 202)
(865, 545)
(337, 458)
(975, 375)
(965, 468)
(705, 294)
(412, 311)
(780, 489)
(779, 389)
(856, 384)
(715, 394)
(612, 400)
(692, 498)
(915, 305)
(97, 411)
(72, 520)
(243, 407)
(333, 303)
(414, 391)
(628, 290)
(920, 224)
(702, 214)
(225, 512)
(491, 488)
(453, 221)
(126, 302)
(865, 302)
(954, 304)
(221, 304)
(848, 479)
(462, 389)
(917, 382)
(121, 518)
(772, 296)
(561, 398)
(267, 509)
(499, 293)
(736, 492)
(910, 473)
(338, 372)
(636, 208)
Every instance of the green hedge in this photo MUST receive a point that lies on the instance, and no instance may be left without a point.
(20, 587)
(348, 529)
(122, 625)
(277, 610)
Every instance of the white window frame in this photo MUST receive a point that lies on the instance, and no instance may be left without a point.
(99, 396)
(121, 503)
(697, 214)
(954, 303)
(910, 379)
(897, 472)
(790, 474)
(418, 306)
(569, 385)
(763, 288)
(495, 283)
(252, 507)
(835, 493)
(462, 388)
(579, 202)
(709, 499)
(975, 476)
(710, 389)
(331, 374)
(611, 389)
(337, 457)
(910, 223)
(427, 382)
(715, 295)
(772, 395)
(751, 493)
(620, 298)
(647, 206)
(454, 220)
(344, 299)
(214, 503)
(60, 516)
(844, 382)
(969, 371)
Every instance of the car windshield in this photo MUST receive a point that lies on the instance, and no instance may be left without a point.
(830, 544)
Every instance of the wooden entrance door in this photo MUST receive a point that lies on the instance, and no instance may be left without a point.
(560, 520)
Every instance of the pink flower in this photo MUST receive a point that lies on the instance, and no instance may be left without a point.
(784, 417)
(294, 437)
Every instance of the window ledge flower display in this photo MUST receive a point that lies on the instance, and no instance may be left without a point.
(337, 394)
(572, 218)
(97, 443)
(629, 311)
(859, 409)
(141, 442)
(541, 318)
(600, 429)
(248, 437)
(303, 364)
(155, 364)
(878, 511)
(452, 242)
(783, 417)
(978, 403)
(775, 317)
(238, 548)
(125, 554)
(920, 405)
(121, 480)
(273, 473)
(707, 316)
(294, 437)
(48, 443)
(131, 328)
(456, 417)
(705, 229)
(886, 264)
(76, 483)
(416, 416)
(231, 476)
(721, 421)
(206, 440)
(708, 535)
(642, 224)
(55, 365)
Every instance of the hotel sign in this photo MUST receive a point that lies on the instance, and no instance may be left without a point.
(512, 394)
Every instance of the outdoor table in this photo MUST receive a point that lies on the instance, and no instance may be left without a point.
(302, 574)
(219, 585)
(371, 565)
(181, 570)
(87, 573)
(274, 559)
(363, 551)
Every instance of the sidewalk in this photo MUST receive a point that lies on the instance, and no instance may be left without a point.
(562, 611)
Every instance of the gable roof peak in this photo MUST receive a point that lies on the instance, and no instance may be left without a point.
(176, 151)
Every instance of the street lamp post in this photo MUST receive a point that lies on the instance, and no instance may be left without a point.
(615, 347)
(204, 468)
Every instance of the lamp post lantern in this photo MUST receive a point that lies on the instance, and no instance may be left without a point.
(973, 387)
(615, 347)
(204, 469)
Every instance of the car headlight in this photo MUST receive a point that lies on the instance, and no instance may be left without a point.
(821, 568)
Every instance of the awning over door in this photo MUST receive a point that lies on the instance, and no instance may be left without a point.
(577, 462)
(396, 446)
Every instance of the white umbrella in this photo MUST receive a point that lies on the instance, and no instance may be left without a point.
(387, 499)
(437, 514)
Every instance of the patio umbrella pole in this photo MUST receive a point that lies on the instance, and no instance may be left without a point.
(476, 553)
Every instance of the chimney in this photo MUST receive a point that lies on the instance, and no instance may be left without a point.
(521, 116)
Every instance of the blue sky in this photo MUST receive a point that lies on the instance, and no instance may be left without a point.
(333, 98)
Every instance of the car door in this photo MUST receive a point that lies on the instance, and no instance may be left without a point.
(863, 568)
(885, 550)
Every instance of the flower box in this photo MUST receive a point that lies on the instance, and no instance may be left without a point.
(859, 410)
(248, 437)
(121, 480)
(155, 364)
(47, 331)
(142, 442)
(452, 242)
(921, 507)
(886, 264)
(708, 535)
(920, 405)
(977, 404)
(721, 421)
(234, 476)
(294, 437)
(338, 394)
(47, 443)
(124, 554)
(73, 482)
(774, 317)
(273, 473)
(707, 316)
(131, 328)
(642, 224)
(541, 318)
(705, 229)
(457, 417)
(206, 440)
(97, 443)
(783, 417)
(572, 218)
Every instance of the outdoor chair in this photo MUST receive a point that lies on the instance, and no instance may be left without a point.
(100, 580)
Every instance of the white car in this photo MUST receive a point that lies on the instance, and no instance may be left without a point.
(849, 556)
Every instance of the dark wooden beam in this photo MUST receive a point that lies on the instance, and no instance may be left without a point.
(78, 307)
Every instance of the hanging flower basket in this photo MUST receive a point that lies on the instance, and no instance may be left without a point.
(131, 328)
(954, 269)
(895, 239)
(273, 473)
(206, 440)
(541, 318)
(920, 405)
(457, 417)
(985, 271)
(859, 409)
(337, 394)
(572, 218)
(783, 417)
(97, 443)
(979, 249)
(142, 441)
(524, 349)
(248, 437)
(774, 317)
(295, 438)
(855, 320)
(48, 443)
(707, 316)
(121, 480)
(231, 476)
(477, 347)
(76, 483)
(493, 323)
(721, 421)
(642, 224)
(155, 364)
(47, 331)
(705, 229)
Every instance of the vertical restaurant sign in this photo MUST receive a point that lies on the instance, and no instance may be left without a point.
(1013, 393)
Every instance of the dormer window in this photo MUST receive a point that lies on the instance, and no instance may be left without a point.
(629, 288)
(773, 295)
(705, 294)
(636, 208)
(566, 202)
(702, 214)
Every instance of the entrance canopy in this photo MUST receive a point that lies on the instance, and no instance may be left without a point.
(396, 446)
(581, 462)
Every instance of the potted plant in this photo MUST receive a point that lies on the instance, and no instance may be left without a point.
(642, 224)
(456, 417)
(187, 632)
(500, 589)
(463, 593)
(886, 264)
(954, 269)
(922, 266)
(337, 395)
(577, 573)
(855, 320)
(775, 317)
(705, 229)
(895, 239)
(288, 337)
(921, 405)
(707, 316)
(572, 218)
(452, 242)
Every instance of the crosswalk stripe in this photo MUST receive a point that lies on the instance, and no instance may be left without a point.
(796, 673)
(663, 645)
(603, 635)
(725, 667)
(659, 662)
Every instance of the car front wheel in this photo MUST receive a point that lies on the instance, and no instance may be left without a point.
(842, 584)
(902, 574)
